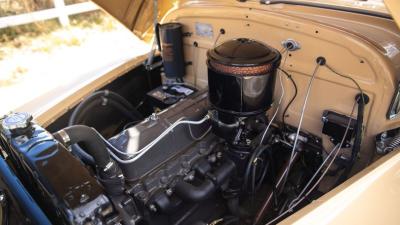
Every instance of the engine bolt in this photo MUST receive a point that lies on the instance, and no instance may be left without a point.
(185, 164)
(164, 179)
(202, 151)
(212, 158)
(154, 117)
(153, 208)
(189, 177)
(168, 191)
(248, 141)
(2, 197)
(84, 198)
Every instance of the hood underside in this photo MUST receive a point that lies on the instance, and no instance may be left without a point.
(138, 15)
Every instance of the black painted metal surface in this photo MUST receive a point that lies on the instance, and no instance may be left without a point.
(241, 76)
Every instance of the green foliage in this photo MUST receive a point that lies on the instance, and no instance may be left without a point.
(9, 34)
(15, 7)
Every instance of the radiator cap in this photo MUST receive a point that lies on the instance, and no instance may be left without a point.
(18, 123)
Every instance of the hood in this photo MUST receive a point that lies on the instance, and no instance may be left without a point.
(138, 15)
(394, 8)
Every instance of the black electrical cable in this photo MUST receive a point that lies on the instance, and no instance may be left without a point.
(347, 77)
(357, 143)
(291, 100)
(253, 179)
(256, 185)
(362, 101)
(257, 152)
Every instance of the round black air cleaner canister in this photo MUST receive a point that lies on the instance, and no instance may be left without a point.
(241, 76)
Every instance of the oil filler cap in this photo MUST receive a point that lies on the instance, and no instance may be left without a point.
(18, 123)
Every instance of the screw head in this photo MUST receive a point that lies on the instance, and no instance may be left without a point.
(153, 208)
(154, 117)
(248, 141)
(84, 198)
(190, 177)
(169, 191)
(2, 197)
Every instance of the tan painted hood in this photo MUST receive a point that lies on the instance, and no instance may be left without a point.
(138, 15)
(394, 8)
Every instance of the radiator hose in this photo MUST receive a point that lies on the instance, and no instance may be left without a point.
(104, 98)
(107, 170)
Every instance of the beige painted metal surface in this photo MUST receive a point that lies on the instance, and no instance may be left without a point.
(369, 198)
(394, 8)
(350, 45)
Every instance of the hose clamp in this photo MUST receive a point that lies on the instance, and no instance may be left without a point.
(108, 166)
(65, 137)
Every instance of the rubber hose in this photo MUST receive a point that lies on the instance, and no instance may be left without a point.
(94, 144)
(76, 149)
(108, 95)
(255, 154)
(193, 193)
(93, 100)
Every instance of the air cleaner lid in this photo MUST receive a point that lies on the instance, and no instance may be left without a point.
(243, 52)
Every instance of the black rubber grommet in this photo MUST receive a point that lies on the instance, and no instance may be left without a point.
(321, 60)
(358, 98)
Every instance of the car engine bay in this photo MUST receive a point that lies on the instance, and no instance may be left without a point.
(218, 155)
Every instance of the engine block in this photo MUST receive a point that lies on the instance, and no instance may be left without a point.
(174, 156)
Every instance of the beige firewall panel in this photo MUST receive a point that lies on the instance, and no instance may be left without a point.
(346, 52)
